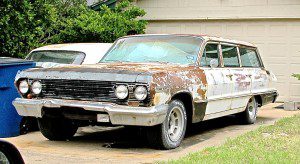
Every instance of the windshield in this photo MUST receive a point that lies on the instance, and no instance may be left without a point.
(64, 57)
(163, 48)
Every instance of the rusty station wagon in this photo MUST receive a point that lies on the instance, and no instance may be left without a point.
(161, 83)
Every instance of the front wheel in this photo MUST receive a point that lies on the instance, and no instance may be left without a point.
(57, 129)
(250, 114)
(170, 133)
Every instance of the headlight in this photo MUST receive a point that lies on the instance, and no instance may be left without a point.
(121, 92)
(140, 93)
(36, 87)
(23, 87)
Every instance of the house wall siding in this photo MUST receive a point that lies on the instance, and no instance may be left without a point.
(219, 9)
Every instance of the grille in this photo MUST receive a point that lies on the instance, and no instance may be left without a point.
(88, 90)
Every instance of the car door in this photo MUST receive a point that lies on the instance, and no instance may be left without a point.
(218, 83)
(240, 80)
(259, 76)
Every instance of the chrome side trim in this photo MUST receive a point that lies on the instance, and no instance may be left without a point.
(223, 113)
(236, 96)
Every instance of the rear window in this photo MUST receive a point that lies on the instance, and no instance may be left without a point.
(63, 57)
(230, 56)
(249, 58)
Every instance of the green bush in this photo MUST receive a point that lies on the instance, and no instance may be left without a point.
(104, 26)
(297, 76)
(28, 24)
(25, 25)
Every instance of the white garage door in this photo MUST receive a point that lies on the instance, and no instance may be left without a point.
(277, 40)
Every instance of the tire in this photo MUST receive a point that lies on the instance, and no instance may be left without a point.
(171, 132)
(250, 114)
(57, 129)
(28, 124)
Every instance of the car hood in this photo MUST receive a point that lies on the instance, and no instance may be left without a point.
(127, 72)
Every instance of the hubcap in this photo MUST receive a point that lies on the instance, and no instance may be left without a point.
(175, 124)
(252, 108)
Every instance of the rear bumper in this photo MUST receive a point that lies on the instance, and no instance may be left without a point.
(269, 97)
(118, 114)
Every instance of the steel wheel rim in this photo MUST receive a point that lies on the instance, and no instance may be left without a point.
(175, 124)
(251, 108)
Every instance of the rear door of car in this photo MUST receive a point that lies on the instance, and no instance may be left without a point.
(251, 61)
(239, 77)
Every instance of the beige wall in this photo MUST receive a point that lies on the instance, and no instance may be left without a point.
(222, 9)
(277, 38)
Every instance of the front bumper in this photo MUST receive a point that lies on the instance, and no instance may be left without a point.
(118, 114)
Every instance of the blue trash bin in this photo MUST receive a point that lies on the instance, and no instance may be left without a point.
(9, 118)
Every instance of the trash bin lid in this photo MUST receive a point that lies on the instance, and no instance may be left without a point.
(13, 61)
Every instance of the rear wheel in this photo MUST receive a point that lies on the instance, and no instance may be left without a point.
(250, 114)
(170, 133)
(57, 129)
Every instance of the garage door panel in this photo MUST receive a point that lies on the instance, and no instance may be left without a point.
(234, 30)
(214, 30)
(277, 30)
(277, 49)
(285, 2)
(295, 67)
(173, 29)
(295, 50)
(294, 31)
(282, 93)
(256, 30)
(192, 28)
(277, 69)
(295, 91)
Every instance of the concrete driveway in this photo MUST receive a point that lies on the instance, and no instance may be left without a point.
(120, 145)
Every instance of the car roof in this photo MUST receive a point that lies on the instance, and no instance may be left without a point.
(83, 47)
(93, 51)
(204, 37)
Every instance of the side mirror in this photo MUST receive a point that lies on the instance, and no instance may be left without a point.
(9, 154)
(214, 63)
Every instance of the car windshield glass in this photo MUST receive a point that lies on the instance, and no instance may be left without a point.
(64, 57)
(163, 48)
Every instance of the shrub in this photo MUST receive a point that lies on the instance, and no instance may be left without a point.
(25, 25)
(28, 24)
(104, 26)
(297, 76)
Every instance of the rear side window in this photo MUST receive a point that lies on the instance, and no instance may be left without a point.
(210, 52)
(249, 58)
(230, 56)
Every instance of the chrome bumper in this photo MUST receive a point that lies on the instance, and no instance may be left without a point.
(118, 114)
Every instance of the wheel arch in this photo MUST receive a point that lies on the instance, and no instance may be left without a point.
(187, 100)
(258, 99)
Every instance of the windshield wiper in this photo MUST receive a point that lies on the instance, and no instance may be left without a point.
(157, 61)
(114, 61)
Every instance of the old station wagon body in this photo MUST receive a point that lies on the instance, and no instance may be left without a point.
(71, 53)
(158, 82)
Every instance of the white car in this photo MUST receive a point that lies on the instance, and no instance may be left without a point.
(161, 83)
(73, 53)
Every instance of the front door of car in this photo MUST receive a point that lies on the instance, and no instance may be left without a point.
(218, 83)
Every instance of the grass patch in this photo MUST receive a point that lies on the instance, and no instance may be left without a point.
(279, 143)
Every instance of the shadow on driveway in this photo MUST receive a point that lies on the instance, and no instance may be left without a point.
(124, 138)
